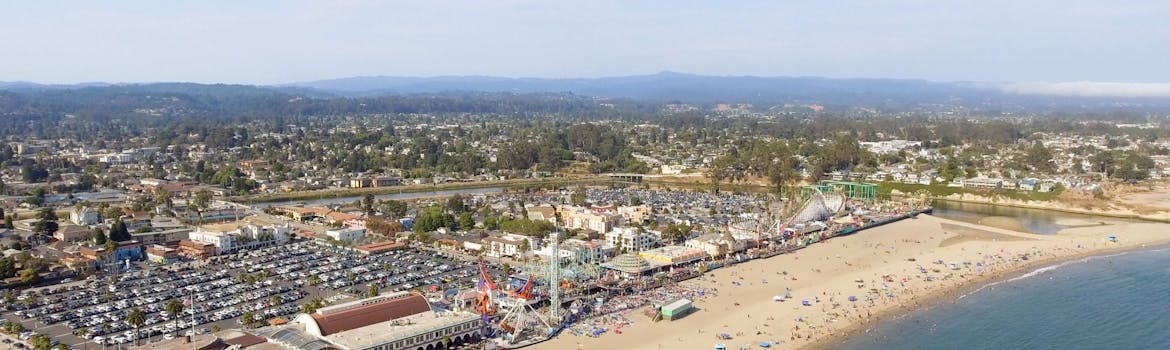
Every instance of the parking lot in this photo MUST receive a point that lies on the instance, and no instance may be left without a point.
(270, 283)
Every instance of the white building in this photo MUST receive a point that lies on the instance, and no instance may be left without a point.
(579, 251)
(347, 234)
(84, 216)
(631, 240)
(246, 237)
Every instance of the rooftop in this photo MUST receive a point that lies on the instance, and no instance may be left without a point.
(404, 327)
(366, 312)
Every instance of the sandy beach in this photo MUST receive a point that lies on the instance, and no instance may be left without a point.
(889, 270)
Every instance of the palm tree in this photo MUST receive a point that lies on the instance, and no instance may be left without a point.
(136, 318)
(82, 333)
(174, 307)
(372, 291)
(247, 319)
(313, 281)
(276, 301)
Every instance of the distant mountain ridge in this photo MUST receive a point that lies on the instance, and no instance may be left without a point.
(688, 88)
(662, 86)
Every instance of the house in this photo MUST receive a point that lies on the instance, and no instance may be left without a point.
(1029, 184)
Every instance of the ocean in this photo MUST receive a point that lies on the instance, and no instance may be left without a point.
(1108, 302)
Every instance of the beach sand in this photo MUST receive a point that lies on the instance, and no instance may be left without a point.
(891, 270)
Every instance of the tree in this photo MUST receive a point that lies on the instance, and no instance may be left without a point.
(174, 307)
(491, 222)
(277, 300)
(29, 276)
(247, 319)
(118, 232)
(372, 291)
(524, 247)
(7, 267)
(136, 318)
(455, 204)
(393, 208)
(46, 222)
(99, 237)
(201, 202)
(40, 342)
(110, 245)
(466, 221)
(367, 205)
(578, 197)
(163, 197)
(672, 233)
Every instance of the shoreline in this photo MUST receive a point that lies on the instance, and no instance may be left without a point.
(1109, 214)
(964, 289)
(893, 270)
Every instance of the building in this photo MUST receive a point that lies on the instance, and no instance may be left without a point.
(506, 245)
(630, 239)
(982, 183)
(160, 254)
(629, 265)
(635, 214)
(71, 234)
(673, 255)
(197, 250)
(577, 218)
(84, 216)
(576, 251)
(542, 212)
(347, 234)
(392, 321)
(157, 236)
(128, 250)
(380, 181)
(244, 238)
(379, 248)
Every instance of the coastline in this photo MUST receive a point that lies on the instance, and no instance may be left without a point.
(952, 295)
(859, 264)
(1110, 213)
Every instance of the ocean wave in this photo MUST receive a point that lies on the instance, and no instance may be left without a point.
(1048, 268)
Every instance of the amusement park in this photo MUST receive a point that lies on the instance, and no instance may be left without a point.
(538, 299)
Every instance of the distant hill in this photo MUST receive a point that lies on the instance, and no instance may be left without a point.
(665, 87)
(661, 86)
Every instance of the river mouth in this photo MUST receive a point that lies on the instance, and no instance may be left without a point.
(1035, 221)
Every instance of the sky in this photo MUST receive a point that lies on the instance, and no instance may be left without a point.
(1080, 44)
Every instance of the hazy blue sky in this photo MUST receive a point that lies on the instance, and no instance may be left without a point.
(279, 41)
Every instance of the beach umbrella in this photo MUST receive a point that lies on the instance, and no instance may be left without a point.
(852, 298)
